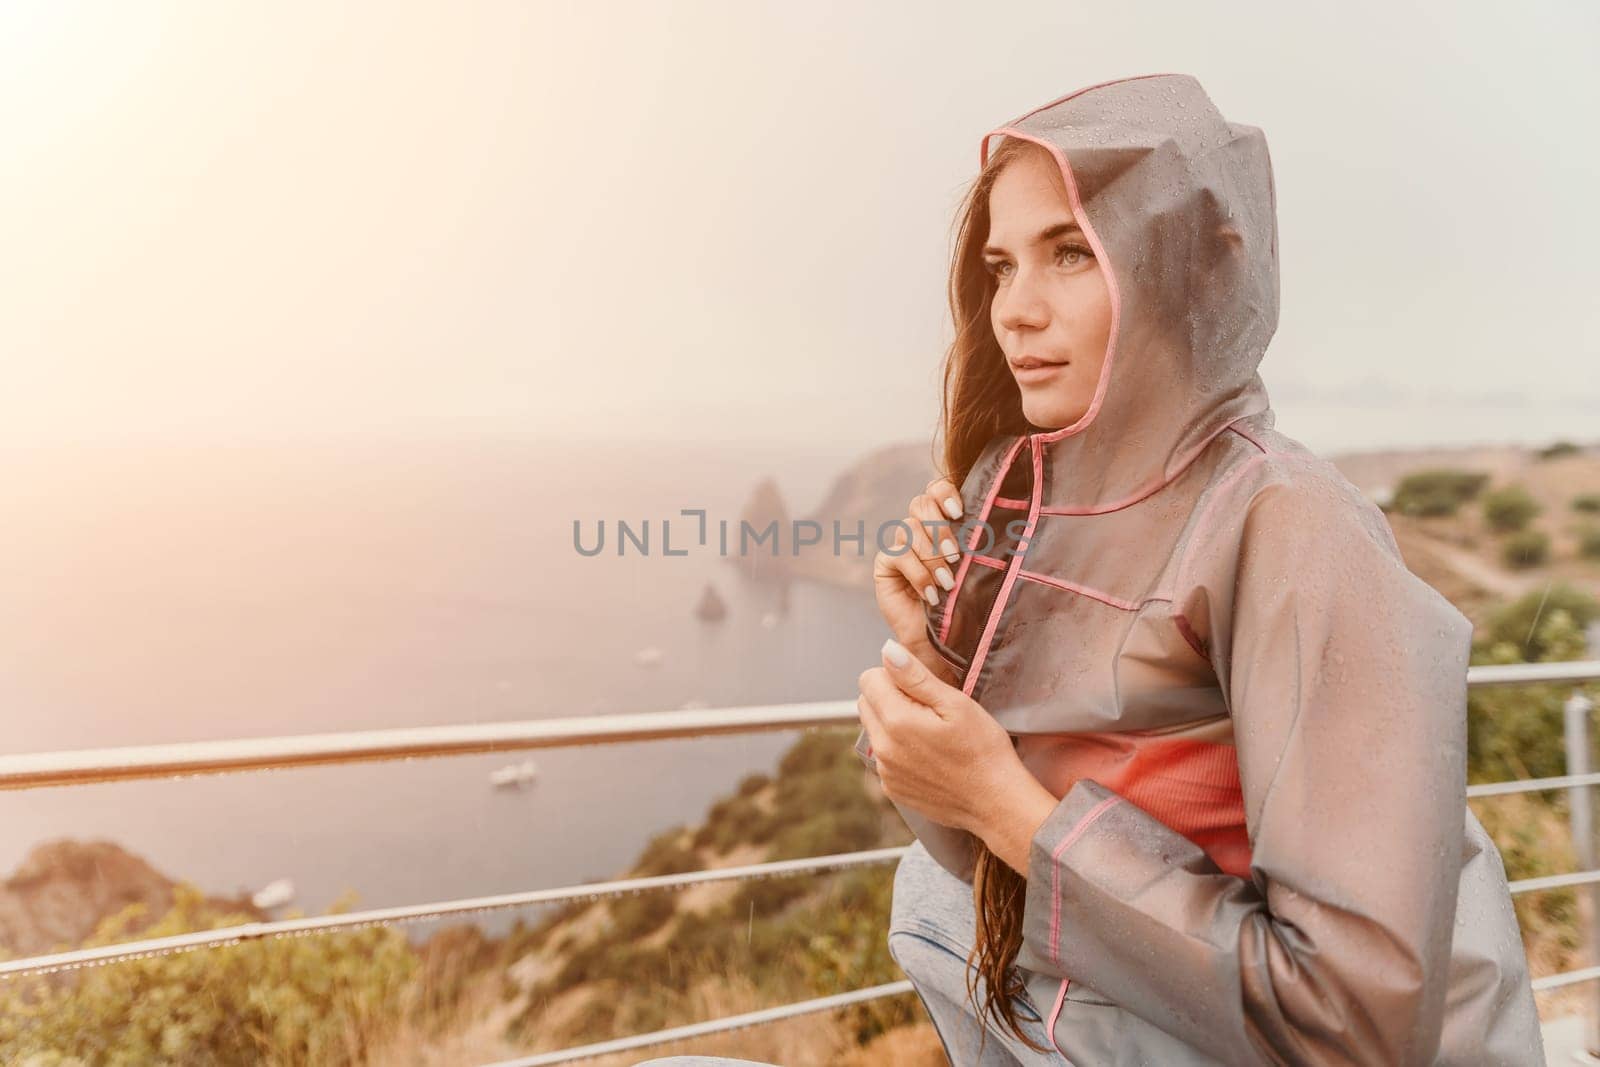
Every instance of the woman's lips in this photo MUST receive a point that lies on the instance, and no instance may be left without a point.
(1035, 370)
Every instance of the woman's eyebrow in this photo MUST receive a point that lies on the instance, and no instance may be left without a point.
(1047, 234)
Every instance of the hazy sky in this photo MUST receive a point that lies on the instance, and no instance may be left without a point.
(732, 220)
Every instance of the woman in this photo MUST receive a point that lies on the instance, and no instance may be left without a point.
(1163, 696)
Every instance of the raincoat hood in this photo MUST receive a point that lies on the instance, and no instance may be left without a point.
(1179, 207)
(1205, 642)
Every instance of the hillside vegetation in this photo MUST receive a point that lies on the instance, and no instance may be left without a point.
(583, 973)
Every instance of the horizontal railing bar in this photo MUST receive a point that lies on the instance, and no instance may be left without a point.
(1554, 881)
(316, 924)
(228, 935)
(1566, 978)
(185, 758)
(714, 1026)
(1533, 785)
(1533, 673)
(178, 759)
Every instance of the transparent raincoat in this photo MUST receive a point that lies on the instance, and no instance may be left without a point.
(1204, 641)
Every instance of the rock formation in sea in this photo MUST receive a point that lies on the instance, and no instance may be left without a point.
(711, 607)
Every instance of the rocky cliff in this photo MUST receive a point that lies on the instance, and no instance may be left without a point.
(63, 889)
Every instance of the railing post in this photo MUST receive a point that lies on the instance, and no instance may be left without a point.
(1576, 712)
(1576, 715)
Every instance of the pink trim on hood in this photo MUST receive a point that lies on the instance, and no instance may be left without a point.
(1082, 218)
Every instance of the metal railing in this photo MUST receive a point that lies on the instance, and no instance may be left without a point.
(189, 758)
(233, 935)
(183, 760)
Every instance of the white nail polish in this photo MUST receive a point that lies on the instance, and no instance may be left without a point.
(896, 652)
(952, 507)
(943, 574)
(951, 552)
(932, 597)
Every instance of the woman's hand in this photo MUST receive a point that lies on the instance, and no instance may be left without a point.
(941, 753)
(906, 580)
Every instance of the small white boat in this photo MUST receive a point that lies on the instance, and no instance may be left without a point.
(647, 657)
(514, 774)
(274, 894)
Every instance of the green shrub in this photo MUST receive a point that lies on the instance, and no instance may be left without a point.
(1560, 448)
(1517, 731)
(640, 914)
(1588, 503)
(1520, 624)
(1436, 492)
(753, 783)
(827, 782)
(1589, 542)
(325, 999)
(1509, 509)
(732, 821)
(741, 825)
(814, 750)
(667, 854)
(770, 895)
(1526, 548)
(836, 830)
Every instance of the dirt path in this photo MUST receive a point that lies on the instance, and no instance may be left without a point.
(1480, 572)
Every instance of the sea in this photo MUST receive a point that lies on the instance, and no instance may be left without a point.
(168, 592)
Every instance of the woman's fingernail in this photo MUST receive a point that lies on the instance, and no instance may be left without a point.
(952, 507)
(943, 574)
(896, 652)
(932, 597)
(951, 552)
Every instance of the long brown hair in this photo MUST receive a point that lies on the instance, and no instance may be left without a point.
(979, 401)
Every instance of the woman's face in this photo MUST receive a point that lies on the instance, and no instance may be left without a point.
(1051, 304)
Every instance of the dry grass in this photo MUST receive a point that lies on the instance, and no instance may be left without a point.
(477, 1035)
(708, 895)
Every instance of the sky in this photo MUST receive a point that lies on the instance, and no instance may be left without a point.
(705, 221)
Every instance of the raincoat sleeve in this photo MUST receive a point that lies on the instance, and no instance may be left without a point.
(1345, 675)
(954, 849)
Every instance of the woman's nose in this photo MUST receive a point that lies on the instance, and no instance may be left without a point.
(1021, 305)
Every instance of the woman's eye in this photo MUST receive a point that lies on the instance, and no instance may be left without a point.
(1078, 254)
(1067, 255)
